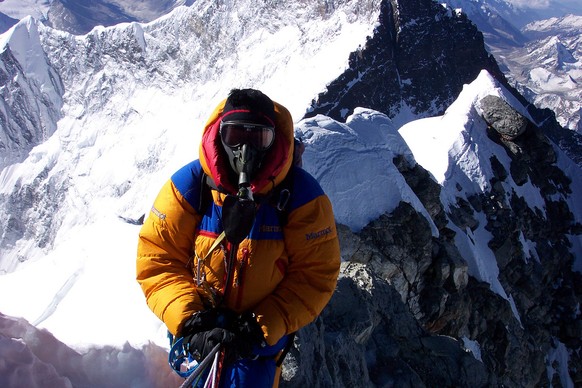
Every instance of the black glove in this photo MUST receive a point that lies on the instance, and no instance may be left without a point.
(238, 335)
(203, 330)
(248, 334)
(200, 344)
(207, 320)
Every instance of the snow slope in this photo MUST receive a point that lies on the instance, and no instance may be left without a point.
(142, 107)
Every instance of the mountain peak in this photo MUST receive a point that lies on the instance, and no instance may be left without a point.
(32, 91)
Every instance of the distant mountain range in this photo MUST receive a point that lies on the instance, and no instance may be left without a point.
(540, 55)
(540, 52)
(81, 16)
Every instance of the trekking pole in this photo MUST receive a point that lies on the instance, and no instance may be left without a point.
(201, 367)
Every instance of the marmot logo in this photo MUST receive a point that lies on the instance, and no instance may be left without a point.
(313, 236)
(270, 228)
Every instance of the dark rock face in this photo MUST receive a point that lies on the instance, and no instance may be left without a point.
(423, 280)
(372, 339)
(539, 283)
(420, 56)
(502, 117)
(405, 306)
(568, 140)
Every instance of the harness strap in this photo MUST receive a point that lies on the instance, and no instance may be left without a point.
(214, 245)
(202, 260)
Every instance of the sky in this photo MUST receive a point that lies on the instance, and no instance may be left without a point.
(87, 296)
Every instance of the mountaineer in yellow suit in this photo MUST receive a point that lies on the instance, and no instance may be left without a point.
(213, 281)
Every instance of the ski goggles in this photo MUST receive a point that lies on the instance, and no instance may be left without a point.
(236, 133)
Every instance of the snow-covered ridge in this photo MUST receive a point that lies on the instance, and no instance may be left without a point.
(362, 171)
(457, 151)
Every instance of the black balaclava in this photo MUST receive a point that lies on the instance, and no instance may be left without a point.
(247, 106)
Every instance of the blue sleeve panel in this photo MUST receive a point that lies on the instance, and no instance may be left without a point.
(305, 188)
(187, 180)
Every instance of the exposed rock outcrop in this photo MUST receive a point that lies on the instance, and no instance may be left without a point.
(503, 118)
(417, 61)
(406, 300)
(372, 339)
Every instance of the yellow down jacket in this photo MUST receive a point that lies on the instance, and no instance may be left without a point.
(285, 272)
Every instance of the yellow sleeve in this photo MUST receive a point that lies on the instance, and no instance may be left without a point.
(164, 249)
(314, 262)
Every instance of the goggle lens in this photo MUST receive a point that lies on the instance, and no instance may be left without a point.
(234, 134)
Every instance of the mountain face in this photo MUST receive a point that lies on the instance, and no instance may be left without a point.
(380, 74)
(487, 278)
(31, 94)
(416, 63)
(463, 268)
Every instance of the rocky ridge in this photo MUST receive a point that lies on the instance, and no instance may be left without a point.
(407, 310)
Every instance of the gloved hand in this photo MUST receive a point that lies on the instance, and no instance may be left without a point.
(248, 334)
(204, 329)
(200, 344)
(208, 319)
(238, 335)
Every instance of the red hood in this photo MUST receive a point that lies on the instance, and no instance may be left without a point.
(277, 161)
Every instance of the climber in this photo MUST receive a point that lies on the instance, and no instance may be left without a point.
(255, 261)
